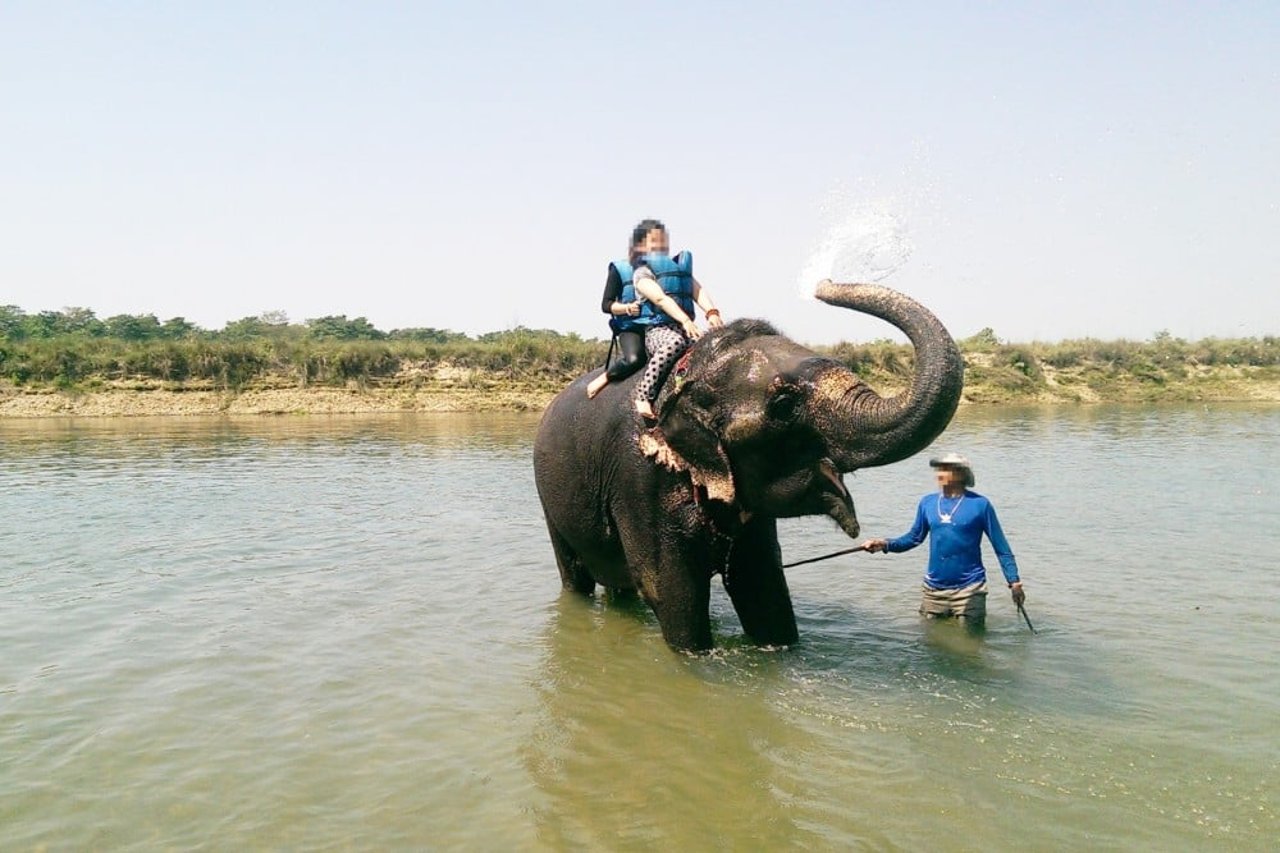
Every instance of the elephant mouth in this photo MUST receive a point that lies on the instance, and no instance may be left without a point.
(828, 469)
(816, 488)
(839, 506)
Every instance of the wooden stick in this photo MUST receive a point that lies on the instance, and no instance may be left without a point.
(853, 550)
(1023, 611)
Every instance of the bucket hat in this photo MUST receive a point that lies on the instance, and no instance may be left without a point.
(955, 460)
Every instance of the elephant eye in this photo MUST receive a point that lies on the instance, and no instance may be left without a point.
(783, 406)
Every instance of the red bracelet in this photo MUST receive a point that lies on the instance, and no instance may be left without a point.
(714, 312)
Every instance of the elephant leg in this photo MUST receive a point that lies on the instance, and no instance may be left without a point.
(679, 594)
(573, 573)
(666, 547)
(681, 599)
(758, 588)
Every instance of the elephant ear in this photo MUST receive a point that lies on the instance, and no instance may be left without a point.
(686, 442)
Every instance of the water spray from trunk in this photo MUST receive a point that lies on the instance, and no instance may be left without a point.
(868, 242)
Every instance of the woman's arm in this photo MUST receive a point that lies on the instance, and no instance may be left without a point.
(703, 298)
(648, 287)
(612, 290)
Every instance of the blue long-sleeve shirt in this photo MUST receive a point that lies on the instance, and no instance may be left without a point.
(955, 547)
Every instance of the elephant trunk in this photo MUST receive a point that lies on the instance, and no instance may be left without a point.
(864, 429)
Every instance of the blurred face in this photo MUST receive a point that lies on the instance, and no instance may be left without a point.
(948, 477)
(655, 242)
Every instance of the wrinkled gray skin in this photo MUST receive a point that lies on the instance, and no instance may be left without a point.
(760, 429)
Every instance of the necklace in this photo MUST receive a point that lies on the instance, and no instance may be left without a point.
(946, 516)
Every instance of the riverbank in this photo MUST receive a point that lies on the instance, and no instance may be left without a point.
(988, 381)
(69, 363)
(135, 399)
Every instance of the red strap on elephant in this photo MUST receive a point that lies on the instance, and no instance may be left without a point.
(682, 366)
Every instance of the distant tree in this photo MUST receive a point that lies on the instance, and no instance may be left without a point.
(522, 333)
(427, 335)
(274, 318)
(16, 324)
(82, 321)
(177, 327)
(984, 341)
(245, 328)
(13, 324)
(338, 327)
(47, 324)
(133, 327)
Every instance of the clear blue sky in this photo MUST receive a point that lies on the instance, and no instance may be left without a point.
(1058, 169)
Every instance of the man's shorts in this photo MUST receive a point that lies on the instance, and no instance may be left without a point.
(968, 602)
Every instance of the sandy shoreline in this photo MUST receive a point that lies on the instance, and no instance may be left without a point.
(268, 401)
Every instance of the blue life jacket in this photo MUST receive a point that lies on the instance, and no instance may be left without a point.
(625, 323)
(675, 275)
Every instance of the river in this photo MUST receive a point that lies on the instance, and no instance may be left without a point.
(310, 632)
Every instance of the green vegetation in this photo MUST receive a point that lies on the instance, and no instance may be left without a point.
(1163, 368)
(73, 349)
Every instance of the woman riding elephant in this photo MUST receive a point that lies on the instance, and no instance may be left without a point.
(759, 428)
(651, 298)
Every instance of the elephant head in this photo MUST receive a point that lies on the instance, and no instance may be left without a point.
(769, 426)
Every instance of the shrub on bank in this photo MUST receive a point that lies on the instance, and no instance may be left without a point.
(67, 360)
(882, 356)
(71, 347)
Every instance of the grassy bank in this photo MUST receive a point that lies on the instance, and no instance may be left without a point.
(71, 362)
(1163, 369)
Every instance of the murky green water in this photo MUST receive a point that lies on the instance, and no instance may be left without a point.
(349, 633)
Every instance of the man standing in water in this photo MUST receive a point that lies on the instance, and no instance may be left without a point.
(954, 519)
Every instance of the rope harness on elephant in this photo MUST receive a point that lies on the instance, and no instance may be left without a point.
(703, 504)
(681, 368)
(705, 507)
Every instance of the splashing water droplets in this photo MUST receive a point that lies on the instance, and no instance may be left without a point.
(865, 244)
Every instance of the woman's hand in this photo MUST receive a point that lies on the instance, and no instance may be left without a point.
(691, 329)
(1019, 596)
(632, 309)
(713, 319)
(875, 546)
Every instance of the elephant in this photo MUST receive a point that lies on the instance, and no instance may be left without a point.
(751, 427)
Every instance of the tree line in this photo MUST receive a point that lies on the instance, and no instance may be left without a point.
(75, 348)
(18, 325)
(72, 347)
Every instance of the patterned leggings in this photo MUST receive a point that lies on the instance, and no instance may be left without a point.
(665, 345)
